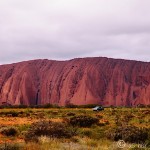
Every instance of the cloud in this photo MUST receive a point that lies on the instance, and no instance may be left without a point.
(64, 29)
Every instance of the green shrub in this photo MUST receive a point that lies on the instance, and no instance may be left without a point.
(95, 132)
(54, 112)
(71, 106)
(71, 114)
(130, 134)
(9, 131)
(83, 121)
(14, 113)
(50, 129)
(148, 140)
(23, 127)
(86, 132)
(11, 113)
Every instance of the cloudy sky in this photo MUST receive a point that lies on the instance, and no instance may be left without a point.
(66, 29)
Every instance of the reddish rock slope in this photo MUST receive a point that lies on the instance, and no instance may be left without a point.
(79, 81)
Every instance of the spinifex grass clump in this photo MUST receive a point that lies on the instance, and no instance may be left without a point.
(9, 131)
(71, 114)
(10, 113)
(83, 121)
(50, 129)
(130, 134)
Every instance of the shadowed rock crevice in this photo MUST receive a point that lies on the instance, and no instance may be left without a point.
(37, 97)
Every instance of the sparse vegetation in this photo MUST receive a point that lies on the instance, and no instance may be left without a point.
(130, 134)
(73, 128)
(50, 129)
(9, 131)
(11, 147)
(83, 121)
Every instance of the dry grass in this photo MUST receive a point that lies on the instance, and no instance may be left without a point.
(92, 138)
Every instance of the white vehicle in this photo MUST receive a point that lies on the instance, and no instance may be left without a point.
(98, 108)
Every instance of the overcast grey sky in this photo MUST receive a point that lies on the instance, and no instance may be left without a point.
(66, 29)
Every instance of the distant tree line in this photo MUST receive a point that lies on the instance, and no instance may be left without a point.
(68, 106)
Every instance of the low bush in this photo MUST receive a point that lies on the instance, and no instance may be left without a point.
(9, 131)
(129, 134)
(14, 113)
(71, 114)
(50, 129)
(95, 132)
(54, 113)
(83, 121)
(148, 140)
(86, 132)
(23, 127)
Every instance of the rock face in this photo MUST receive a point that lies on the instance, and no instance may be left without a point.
(79, 81)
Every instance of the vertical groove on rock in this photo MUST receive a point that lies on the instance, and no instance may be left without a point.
(37, 97)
